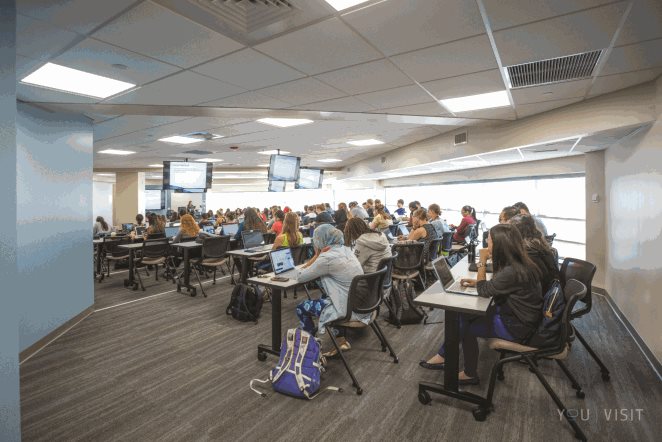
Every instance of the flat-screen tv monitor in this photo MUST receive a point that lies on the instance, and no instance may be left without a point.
(276, 186)
(309, 178)
(284, 168)
(154, 199)
(186, 175)
(190, 190)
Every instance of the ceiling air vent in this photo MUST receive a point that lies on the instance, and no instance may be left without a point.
(553, 70)
(247, 16)
(460, 139)
(198, 152)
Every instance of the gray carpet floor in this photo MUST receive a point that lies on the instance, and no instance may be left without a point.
(176, 368)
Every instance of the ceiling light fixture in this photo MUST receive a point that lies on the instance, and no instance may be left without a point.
(273, 152)
(284, 122)
(62, 78)
(262, 165)
(476, 102)
(340, 5)
(116, 152)
(208, 160)
(104, 174)
(155, 165)
(370, 142)
(330, 160)
(178, 139)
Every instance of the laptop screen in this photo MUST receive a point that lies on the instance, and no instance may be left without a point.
(171, 232)
(252, 238)
(127, 226)
(403, 229)
(282, 261)
(208, 229)
(443, 271)
(230, 229)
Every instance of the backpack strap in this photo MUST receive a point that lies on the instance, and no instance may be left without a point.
(287, 358)
(303, 347)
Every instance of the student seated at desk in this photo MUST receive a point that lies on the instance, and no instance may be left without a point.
(252, 221)
(187, 229)
(139, 220)
(524, 210)
(422, 231)
(468, 218)
(277, 226)
(205, 221)
(400, 212)
(101, 227)
(335, 265)
(322, 216)
(290, 235)
(517, 308)
(507, 213)
(370, 246)
(382, 221)
(341, 216)
(440, 226)
(538, 250)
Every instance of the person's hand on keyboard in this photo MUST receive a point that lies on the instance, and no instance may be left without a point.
(467, 282)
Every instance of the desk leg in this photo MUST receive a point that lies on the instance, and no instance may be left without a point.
(187, 274)
(450, 387)
(276, 335)
(130, 282)
(243, 276)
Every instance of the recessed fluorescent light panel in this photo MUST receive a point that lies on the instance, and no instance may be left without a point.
(156, 165)
(116, 152)
(273, 152)
(330, 160)
(370, 142)
(62, 78)
(208, 160)
(340, 5)
(177, 139)
(284, 122)
(477, 102)
(262, 165)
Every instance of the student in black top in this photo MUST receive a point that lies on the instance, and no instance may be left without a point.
(205, 221)
(517, 308)
(323, 217)
(139, 220)
(538, 250)
(341, 216)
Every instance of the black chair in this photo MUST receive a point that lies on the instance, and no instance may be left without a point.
(387, 287)
(574, 291)
(212, 256)
(582, 271)
(365, 296)
(175, 257)
(407, 267)
(446, 242)
(154, 252)
(113, 253)
(433, 253)
(156, 235)
(269, 238)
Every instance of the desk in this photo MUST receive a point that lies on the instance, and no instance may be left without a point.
(452, 304)
(276, 292)
(130, 281)
(186, 247)
(244, 255)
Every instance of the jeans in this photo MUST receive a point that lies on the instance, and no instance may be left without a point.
(471, 327)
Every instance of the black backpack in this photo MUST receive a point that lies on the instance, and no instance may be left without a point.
(245, 303)
(402, 309)
(549, 330)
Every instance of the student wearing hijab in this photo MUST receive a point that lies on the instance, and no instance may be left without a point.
(335, 265)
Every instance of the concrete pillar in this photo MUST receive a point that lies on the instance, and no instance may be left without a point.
(596, 222)
(129, 198)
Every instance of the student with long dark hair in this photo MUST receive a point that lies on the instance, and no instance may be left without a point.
(517, 308)
(538, 249)
(468, 218)
(341, 216)
(100, 226)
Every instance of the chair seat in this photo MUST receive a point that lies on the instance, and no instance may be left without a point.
(257, 258)
(214, 262)
(401, 276)
(153, 261)
(356, 324)
(116, 258)
(502, 344)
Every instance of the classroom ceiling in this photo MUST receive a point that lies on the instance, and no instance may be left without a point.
(373, 71)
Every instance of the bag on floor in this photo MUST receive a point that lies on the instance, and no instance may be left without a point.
(245, 303)
(299, 367)
(549, 330)
(401, 307)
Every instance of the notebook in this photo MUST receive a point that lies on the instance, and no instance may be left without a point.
(447, 280)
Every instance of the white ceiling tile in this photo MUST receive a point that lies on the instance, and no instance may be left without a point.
(611, 83)
(643, 23)
(346, 104)
(634, 57)
(433, 109)
(367, 77)
(97, 57)
(157, 32)
(526, 110)
(184, 88)
(566, 35)
(303, 91)
(81, 16)
(130, 123)
(99, 118)
(400, 96)
(197, 124)
(470, 84)
(40, 40)
(248, 100)
(550, 92)
(249, 69)
(36, 94)
(448, 60)
(499, 113)
(415, 24)
(320, 47)
(518, 12)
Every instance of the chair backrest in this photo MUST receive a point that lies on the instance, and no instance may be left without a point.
(582, 271)
(573, 292)
(435, 249)
(388, 263)
(299, 254)
(365, 293)
(155, 248)
(410, 255)
(112, 247)
(393, 228)
(472, 232)
(157, 235)
(215, 246)
(269, 238)
(447, 241)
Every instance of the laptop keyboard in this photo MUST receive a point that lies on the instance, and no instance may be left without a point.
(458, 287)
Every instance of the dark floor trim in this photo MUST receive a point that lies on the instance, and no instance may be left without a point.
(648, 354)
(52, 336)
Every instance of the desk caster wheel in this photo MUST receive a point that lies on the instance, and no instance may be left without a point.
(605, 376)
(261, 356)
(424, 397)
(135, 286)
(479, 414)
(359, 391)
(580, 394)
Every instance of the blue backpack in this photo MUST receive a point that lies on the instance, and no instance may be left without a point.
(549, 330)
(299, 368)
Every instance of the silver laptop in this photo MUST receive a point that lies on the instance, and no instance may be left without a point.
(447, 280)
(283, 264)
(253, 241)
(403, 229)
(230, 229)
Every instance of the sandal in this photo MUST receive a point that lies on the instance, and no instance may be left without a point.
(333, 353)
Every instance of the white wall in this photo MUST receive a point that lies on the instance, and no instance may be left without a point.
(102, 200)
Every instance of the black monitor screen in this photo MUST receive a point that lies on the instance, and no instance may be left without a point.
(309, 178)
(179, 175)
(284, 168)
(276, 186)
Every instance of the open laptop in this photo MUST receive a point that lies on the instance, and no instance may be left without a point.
(253, 240)
(140, 230)
(283, 263)
(447, 280)
(127, 227)
(171, 232)
(391, 239)
(403, 229)
(208, 229)
(230, 229)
